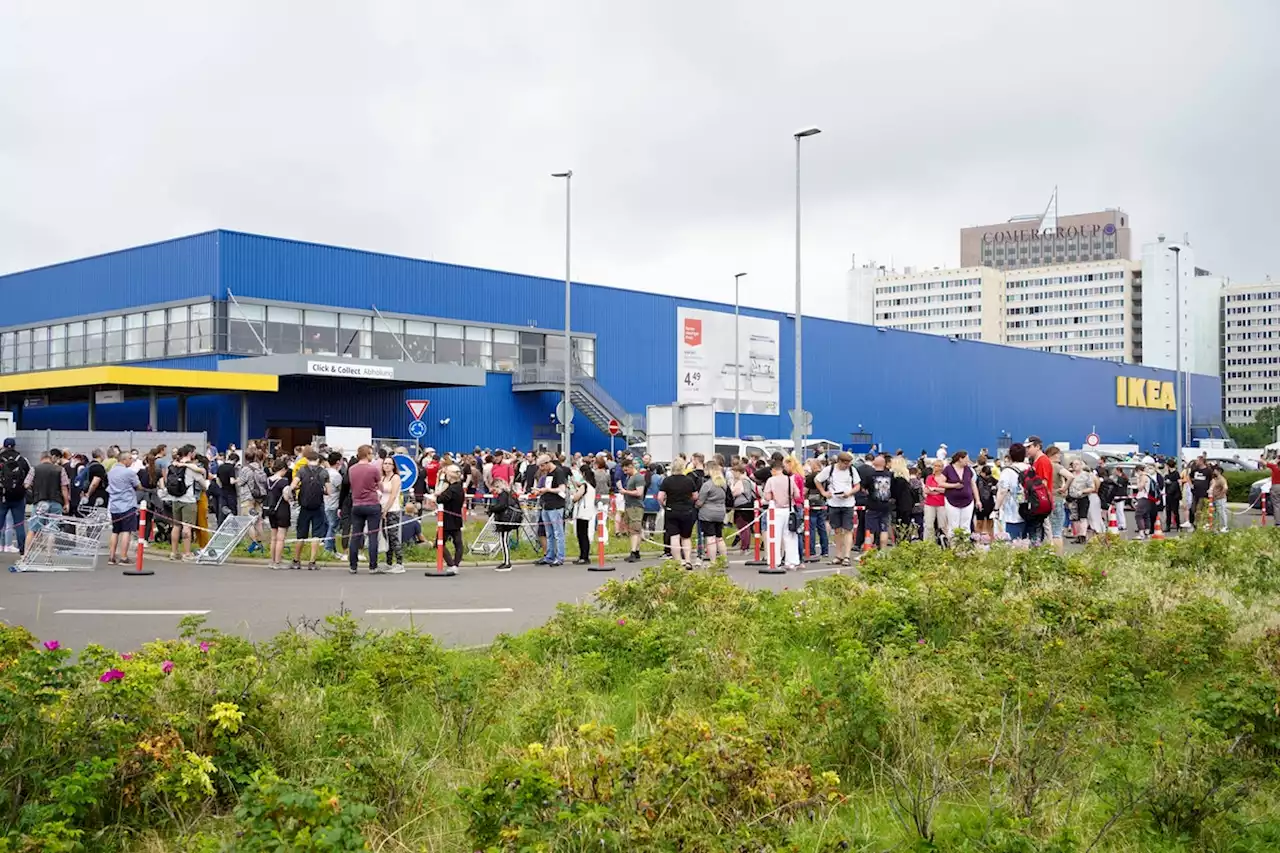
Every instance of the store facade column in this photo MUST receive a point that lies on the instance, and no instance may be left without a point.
(182, 413)
(244, 420)
(153, 411)
(93, 411)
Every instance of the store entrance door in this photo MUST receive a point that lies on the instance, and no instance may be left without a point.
(294, 435)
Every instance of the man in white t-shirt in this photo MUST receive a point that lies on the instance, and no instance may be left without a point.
(837, 484)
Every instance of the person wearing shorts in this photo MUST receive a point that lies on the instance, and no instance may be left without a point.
(836, 483)
(632, 491)
(184, 506)
(122, 502)
(676, 499)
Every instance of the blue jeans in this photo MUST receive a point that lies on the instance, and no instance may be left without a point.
(17, 512)
(330, 537)
(553, 523)
(818, 525)
(1017, 530)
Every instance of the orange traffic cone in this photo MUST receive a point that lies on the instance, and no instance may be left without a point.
(1113, 529)
(867, 543)
(1159, 531)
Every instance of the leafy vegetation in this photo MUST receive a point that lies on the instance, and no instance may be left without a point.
(992, 701)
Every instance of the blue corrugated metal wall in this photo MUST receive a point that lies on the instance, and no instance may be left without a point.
(182, 268)
(909, 390)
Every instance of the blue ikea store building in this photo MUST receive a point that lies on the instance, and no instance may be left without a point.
(246, 336)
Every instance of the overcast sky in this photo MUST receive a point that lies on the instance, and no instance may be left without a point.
(429, 129)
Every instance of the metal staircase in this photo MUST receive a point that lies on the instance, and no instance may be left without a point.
(587, 395)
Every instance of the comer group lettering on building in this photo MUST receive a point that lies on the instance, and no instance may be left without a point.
(1145, 393)
(1023, 235)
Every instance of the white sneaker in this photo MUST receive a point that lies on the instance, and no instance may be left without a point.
(396, 570)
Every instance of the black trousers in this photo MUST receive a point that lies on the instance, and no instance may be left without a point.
(584, 539)
(454, 538)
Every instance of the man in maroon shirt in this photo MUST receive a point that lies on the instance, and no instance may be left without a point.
(366, 507)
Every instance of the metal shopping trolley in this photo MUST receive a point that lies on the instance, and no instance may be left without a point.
(65, 543)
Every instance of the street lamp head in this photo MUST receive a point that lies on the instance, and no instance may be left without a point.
(568, 174)
(739, 274)
(1175, 249)
(808, 131)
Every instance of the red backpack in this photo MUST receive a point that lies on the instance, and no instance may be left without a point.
(1037, 497)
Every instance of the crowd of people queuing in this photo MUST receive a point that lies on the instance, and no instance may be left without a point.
(343, 503)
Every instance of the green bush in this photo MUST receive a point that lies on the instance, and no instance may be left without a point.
(1239, 483)
(996, 699)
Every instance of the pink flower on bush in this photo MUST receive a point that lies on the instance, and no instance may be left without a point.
(622, 621)
(110, 676)
(1104, 573)
(204, 647)
(166, 667)
(126, 656)
(920, 642)
(52, 645)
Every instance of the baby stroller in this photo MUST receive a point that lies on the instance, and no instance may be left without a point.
(160, 523)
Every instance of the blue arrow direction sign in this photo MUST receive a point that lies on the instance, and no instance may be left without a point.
(407, 469)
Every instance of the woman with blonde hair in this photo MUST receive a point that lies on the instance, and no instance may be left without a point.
(711, 511)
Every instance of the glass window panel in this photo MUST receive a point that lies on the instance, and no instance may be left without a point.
(75, 344)
(478, 351)
(385, 345)
(23, 350)
(135, 336)
(284, 330)
(244, 326)
(419, 340)
(58, 346)
(155, 334)
(448, 344)
(40, 348)
(320, 333)
(6, 352)
(100, 335)
(355, 335)
(202, 327)
(178, 330)
(506, 350)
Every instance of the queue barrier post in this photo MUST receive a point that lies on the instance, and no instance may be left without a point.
(772, 532)
(1264, 509)
(138, 571)
(441, 570)
(600, 566)
(808, 535)
(755, 535)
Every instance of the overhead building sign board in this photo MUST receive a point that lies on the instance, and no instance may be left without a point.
(350, 371)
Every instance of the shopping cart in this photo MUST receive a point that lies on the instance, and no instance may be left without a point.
(65, 543)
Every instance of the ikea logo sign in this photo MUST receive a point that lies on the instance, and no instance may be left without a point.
(1145, 393)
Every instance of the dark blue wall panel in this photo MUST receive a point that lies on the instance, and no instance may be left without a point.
(184, 268)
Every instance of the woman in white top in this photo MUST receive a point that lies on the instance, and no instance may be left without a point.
(390, 491)
(584, 511)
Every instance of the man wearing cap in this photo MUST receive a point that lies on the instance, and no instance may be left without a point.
(13, 493)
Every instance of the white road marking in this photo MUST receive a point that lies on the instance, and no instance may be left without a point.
(438, 612)
(131, 612)
(835, 569)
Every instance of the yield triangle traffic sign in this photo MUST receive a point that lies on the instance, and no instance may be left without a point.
(418, 408)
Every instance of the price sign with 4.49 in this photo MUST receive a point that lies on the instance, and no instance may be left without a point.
(693, 378)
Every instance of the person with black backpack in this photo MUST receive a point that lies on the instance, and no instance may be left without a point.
(13, 492)
(310, 484)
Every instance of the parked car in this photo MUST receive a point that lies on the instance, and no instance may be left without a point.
(1256, 491)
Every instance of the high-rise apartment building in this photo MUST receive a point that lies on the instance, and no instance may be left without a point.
(1250, 350)
(1170, 274)
(1083, 308)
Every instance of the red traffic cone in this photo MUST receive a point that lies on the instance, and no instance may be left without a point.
(1113, 529)
(1159, 531)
